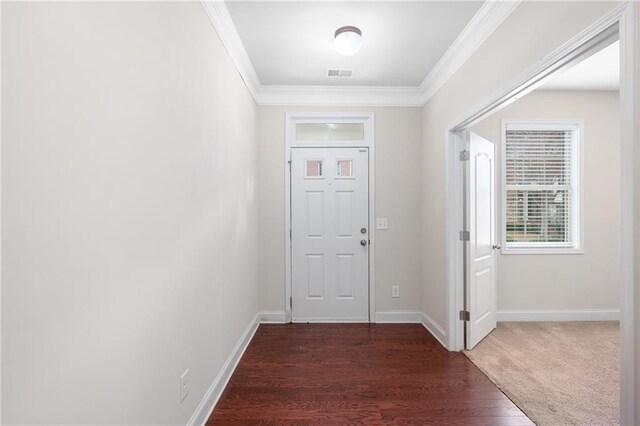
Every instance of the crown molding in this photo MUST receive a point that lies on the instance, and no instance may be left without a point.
(488, 18)
(339, 95)
(219, 16)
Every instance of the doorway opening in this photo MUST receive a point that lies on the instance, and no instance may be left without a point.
(467, 323)
(556, 248)
(329, 197)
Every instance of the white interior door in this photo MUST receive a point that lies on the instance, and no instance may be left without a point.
(480, 291)
(330, 234)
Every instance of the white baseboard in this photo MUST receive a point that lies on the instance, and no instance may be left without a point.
(560, 315)
(272, 317)
(413, 317)
(208, 403)
(205, 408)
(433, 328)
(387, 317)
(330, 320)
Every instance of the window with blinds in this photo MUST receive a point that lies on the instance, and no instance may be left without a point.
(540, 177)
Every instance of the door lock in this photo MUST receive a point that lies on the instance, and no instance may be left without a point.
(497, 247)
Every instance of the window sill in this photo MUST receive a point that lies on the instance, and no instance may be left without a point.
(550, 250)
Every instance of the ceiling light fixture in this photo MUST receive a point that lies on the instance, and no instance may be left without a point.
(348, 40)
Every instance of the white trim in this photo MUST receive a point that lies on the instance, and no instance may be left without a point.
(413, 317)
(402, 317)
(629, 31)
(339, 95)
(559, 315)
(488, 18)
(454, 290)
(0, 210)
(433, 328)
(622, 22)
(573, 51)
(208, 403)
(272, 317)
(552, 250)
(576, 246)
(219, 16)
(330, 320)
(210, 399)
(368, 119)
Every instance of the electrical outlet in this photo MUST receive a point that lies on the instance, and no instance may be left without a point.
(184, 385)
(382, 223)
(395, 291)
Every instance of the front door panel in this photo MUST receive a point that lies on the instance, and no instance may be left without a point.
(330, 234)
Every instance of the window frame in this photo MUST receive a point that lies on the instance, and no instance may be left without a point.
(576, 246)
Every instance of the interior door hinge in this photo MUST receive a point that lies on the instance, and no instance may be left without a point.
(465, 236)
(291, 302)
(290, 234)
(464, 155)
(289, 164)
(465, 316)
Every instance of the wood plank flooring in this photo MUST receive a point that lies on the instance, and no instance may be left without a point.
(337, 374)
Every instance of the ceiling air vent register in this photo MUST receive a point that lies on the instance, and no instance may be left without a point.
(344, 73)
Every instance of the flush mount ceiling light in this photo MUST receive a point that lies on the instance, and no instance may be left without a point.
(348, 40)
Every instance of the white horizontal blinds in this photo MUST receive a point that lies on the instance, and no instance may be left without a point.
(540, 185)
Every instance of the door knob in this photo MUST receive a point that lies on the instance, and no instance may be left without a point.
(497, 246)
(363, 242)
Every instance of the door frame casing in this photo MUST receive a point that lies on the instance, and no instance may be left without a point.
(622, 23)
(367, 119)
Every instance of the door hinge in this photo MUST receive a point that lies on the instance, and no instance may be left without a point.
(465, 316)
(290, 235)
(291, 302)
(289, 164)
(464, 155)
(465, 236)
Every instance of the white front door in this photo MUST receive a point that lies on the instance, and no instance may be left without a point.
(480, 279)
(330, 234)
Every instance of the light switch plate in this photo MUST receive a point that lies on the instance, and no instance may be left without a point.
(382, 223)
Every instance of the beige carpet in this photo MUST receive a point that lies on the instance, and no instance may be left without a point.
(558, 373)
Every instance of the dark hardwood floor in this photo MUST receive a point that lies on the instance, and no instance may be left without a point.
(336, 374)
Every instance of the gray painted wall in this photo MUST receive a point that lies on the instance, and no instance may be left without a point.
(569, 281)
(129, 211)
(397, 179)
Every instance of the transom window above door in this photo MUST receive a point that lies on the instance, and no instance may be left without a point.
(541, 180)
(329, 131)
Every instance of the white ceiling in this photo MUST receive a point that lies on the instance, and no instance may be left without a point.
(600, 71)
(291, 42)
